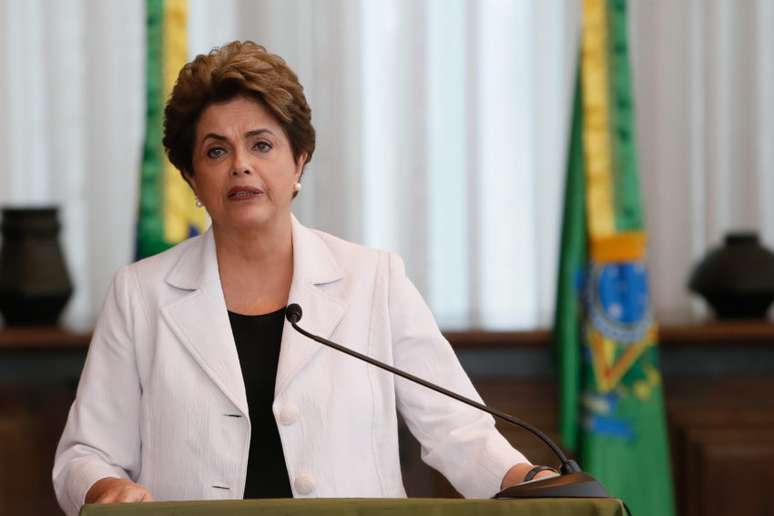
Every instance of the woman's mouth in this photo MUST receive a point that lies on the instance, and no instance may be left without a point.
(244, 193)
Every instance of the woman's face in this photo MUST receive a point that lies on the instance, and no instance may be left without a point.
(244, 171)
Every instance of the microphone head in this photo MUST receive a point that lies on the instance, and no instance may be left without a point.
(293, 313)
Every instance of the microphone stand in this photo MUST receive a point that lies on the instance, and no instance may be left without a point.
(572, 481)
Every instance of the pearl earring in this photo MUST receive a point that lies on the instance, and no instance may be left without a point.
(297, 187)
(198, 203)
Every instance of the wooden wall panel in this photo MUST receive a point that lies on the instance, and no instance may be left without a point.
(722, 433)
(729, 471)
(31, 421)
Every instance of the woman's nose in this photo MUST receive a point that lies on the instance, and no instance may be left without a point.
(242, 165)
(241, 170)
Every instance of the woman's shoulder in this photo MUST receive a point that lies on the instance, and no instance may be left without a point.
(359, 261)
(157, 266)
(347, 252)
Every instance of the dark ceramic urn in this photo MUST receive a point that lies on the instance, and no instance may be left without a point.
(737, 279)
(34, 284)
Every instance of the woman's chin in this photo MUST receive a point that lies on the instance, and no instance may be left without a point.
(251, 220)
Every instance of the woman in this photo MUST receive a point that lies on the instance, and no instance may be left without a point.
(196, 388)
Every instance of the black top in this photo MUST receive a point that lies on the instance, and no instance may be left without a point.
(257, 340)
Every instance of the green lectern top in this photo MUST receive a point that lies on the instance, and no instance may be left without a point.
(367, 507)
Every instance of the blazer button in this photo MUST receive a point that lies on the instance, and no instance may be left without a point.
(304, 484)
(288, 415)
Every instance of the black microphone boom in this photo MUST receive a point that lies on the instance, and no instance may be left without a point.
(572, 483)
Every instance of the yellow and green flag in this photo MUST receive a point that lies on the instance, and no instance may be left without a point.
(611, 401)
(167, 213)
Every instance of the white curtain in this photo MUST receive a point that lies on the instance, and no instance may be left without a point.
(704, 79)
(71, 127)
(442, 128)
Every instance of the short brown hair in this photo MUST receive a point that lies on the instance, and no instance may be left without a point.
(238, 68)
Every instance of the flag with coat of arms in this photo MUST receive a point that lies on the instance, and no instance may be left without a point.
(606, 338)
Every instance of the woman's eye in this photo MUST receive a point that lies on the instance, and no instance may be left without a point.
(262, 146)
(215, 152)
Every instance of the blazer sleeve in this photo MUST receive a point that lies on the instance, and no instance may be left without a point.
(458, 440)
(102, 436)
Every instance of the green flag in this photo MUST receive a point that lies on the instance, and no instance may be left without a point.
(611, 404)
(167, 212)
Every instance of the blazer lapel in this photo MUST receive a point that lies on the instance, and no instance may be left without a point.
(199, 319)
(314, 269)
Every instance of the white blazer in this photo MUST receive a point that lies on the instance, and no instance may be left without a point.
(161, 398)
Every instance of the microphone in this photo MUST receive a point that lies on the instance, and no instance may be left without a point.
(572, 481)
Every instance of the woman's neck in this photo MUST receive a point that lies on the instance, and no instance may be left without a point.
(260, 246)
(255, 267)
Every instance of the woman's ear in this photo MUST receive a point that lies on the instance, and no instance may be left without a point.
(189, 178)
(300, 164)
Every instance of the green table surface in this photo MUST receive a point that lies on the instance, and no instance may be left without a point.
(367, 506)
